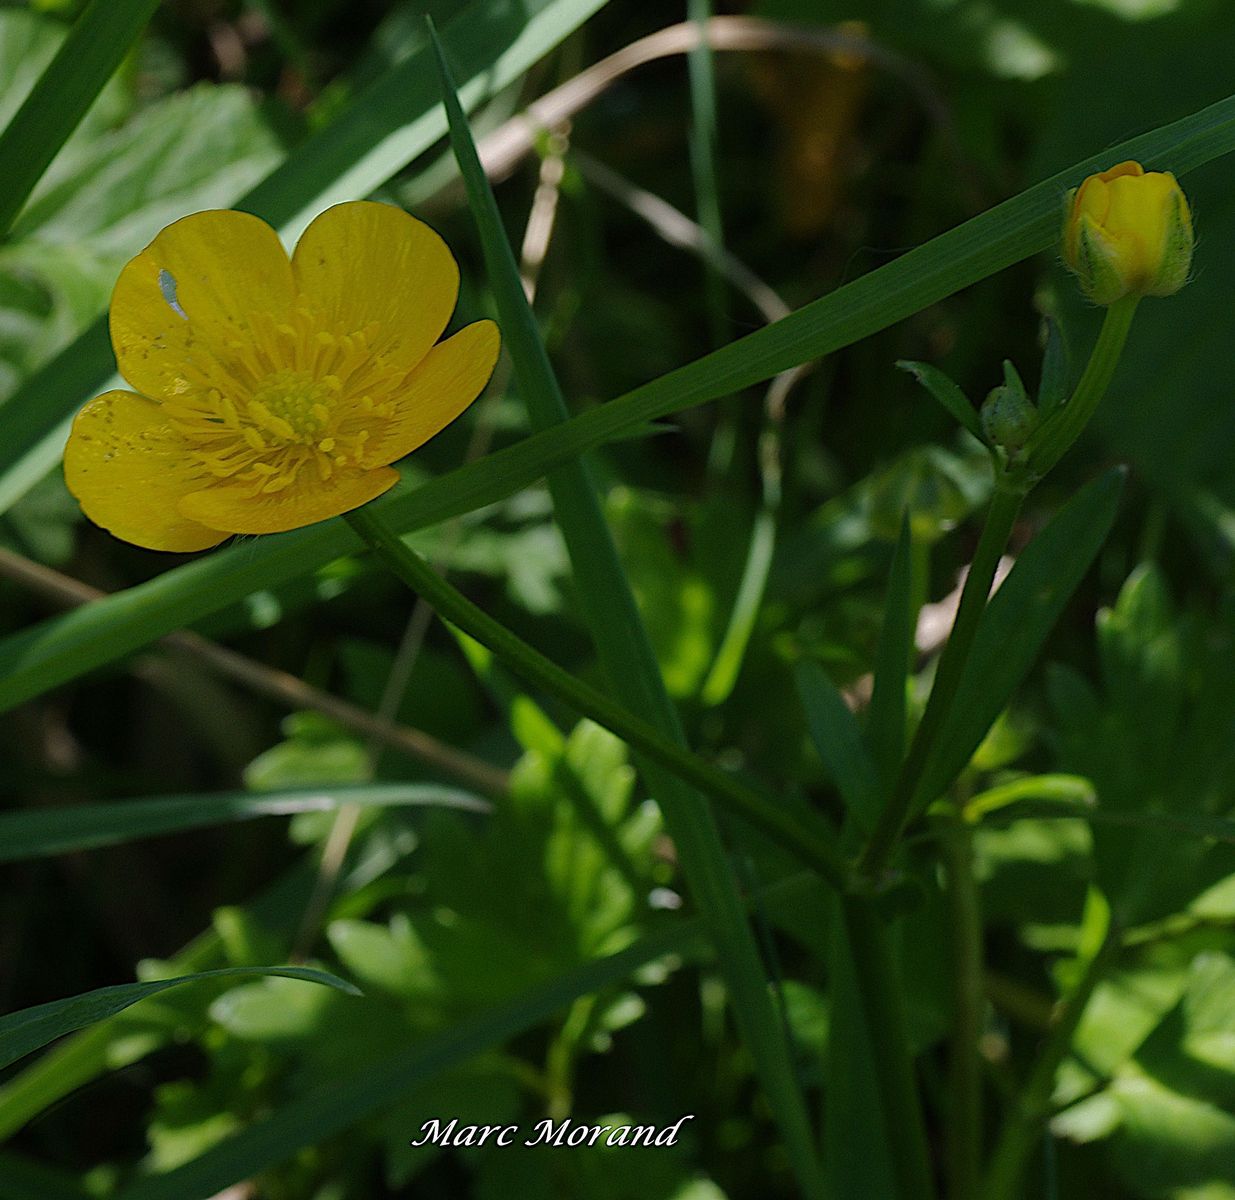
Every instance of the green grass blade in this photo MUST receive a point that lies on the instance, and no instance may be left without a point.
(342, 1103)
(23, 1032)
(885, 719)
(878, 1117)
(837, 738)
(627, 657)
(1016, 623)
(39, 832)
(701, 67)
(727, 664)
(379, 133)
(86, 60)
(35, 660)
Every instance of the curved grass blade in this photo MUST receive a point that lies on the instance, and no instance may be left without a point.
(385, 128)
(38, 833)
(342, 1103)
(630, 664)
(23, 1032)
(727, 665)
(1016, 623)
(88, 57)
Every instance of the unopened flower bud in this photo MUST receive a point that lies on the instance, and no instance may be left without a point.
(1128, 233)
(1008, 415)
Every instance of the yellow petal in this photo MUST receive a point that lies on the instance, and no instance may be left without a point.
(451, 376)
(191, 292)
(362, 264)
(306, 502)
(129, 469)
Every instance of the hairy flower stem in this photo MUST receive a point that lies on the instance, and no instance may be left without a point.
(812, 842)
(1048, 445)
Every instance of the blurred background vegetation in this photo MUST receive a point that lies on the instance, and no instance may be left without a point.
(886, 123)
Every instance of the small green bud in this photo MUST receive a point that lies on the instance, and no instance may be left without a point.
(1008, 415)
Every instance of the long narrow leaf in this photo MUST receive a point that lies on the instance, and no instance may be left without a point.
(23, 1032)
(630, 663)
(1016, 623)
(86, 60)
(837, 738)
(37, 833)
(885, 719)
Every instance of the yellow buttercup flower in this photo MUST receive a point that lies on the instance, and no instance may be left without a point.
(270, 392)
(1128, 232)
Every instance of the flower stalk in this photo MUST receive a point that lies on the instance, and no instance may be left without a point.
(812, 842)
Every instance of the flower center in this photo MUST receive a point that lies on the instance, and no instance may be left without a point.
(292, 407)
(294, 397)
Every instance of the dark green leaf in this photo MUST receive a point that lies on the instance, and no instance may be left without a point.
(1016, 623)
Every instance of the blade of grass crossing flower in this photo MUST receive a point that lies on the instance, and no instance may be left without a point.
(1014, 626)
(389, 123)
(342, 1103)
(36, 660)
(88, 57)
(40, 832)
(631, 667)
(30, 1029)
(885, 719)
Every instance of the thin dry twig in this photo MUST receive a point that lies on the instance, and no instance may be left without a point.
(274, 684)
(508, 145)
